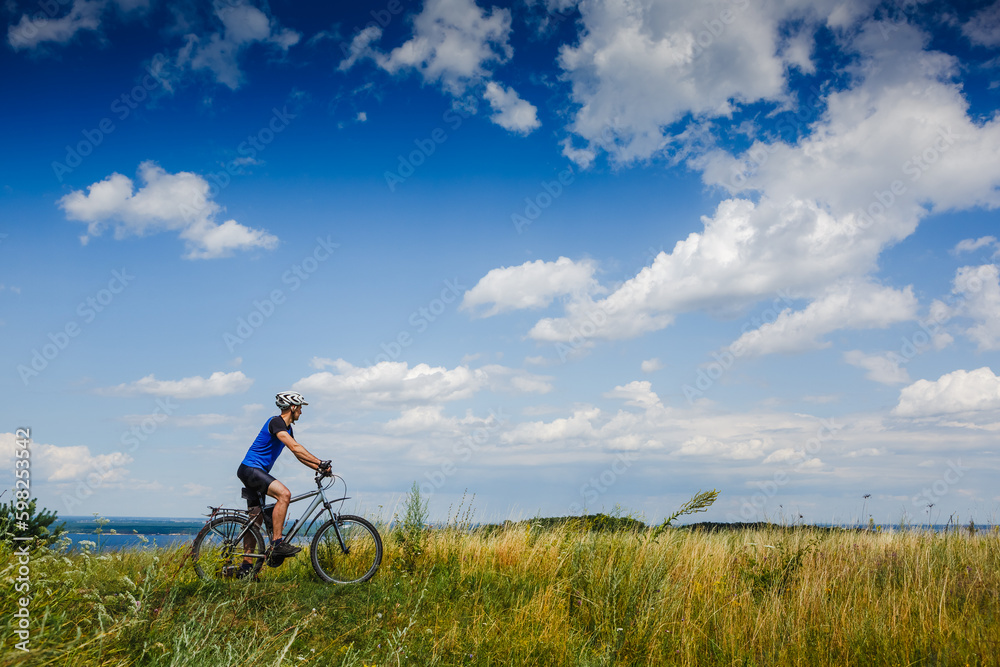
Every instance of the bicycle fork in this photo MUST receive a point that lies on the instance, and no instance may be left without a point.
(340, 538)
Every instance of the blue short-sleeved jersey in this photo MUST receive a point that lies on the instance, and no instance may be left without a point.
(266, 447)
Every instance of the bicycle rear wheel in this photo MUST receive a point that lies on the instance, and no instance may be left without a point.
(219, 548)
(352, 562)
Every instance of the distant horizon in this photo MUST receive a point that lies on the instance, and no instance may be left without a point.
(679, 523)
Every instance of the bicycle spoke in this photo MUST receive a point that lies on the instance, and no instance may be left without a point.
(349, 553)
(219, 548)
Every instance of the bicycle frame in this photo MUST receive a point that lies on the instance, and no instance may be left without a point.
(319, 499)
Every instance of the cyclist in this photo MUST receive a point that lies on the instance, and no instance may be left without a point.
(255, 470)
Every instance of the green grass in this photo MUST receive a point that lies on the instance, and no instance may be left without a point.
(542, 595)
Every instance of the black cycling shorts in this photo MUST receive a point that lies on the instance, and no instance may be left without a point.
(255, 479)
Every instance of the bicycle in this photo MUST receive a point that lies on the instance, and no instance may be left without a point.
(346, 549)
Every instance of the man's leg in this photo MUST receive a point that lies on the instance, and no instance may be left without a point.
(281, 496)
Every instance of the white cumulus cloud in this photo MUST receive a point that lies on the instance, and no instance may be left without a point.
(979, 287)
(983, 27)
(453, 42)
(811, 215)
(882, 368)
(970, 245)
(638, 393)
(642, 66)
(738, 450)
(242, 25)
(863, 306)
(651, 365)
(29, 32)
(510, 111)
(217, 384)
(956, 393)
(395, 385)
(178, 202)
(530, 285)
(70, 463)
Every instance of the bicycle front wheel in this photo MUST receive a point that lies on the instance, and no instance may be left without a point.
(221, 546)
(346, 552)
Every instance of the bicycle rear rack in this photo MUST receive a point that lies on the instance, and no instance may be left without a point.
(226, 511)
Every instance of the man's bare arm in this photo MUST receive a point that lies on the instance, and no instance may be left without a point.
(301, 453)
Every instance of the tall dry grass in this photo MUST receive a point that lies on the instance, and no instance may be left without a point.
(523, 595)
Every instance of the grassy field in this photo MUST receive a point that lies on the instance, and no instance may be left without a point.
(534, 595)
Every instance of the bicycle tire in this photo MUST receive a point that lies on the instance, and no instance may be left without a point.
(364, 546)
(216, 552)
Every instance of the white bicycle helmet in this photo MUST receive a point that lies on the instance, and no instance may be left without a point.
(286, 399)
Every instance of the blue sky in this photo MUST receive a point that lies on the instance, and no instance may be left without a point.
(565, 255)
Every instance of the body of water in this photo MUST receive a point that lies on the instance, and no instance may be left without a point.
(133, 531)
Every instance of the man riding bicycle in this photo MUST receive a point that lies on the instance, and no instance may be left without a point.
(255, 470)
